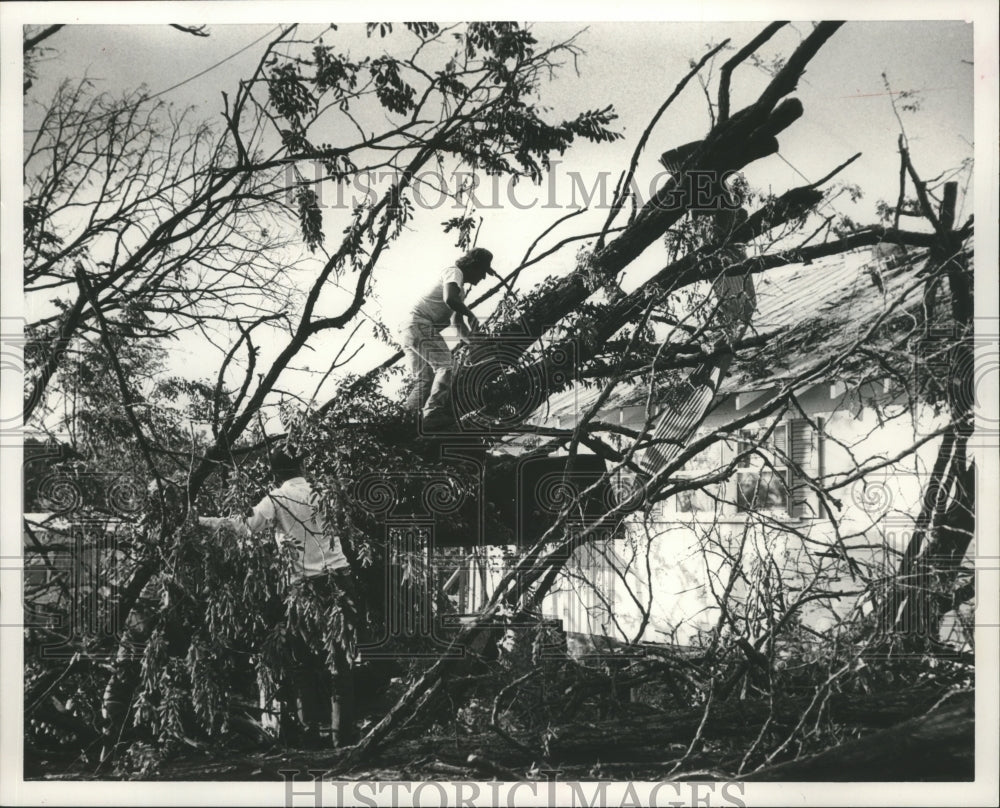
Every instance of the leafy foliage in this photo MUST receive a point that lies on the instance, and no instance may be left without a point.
(215, 620)
(480, 108)
(310, 218)
(465, 226)
(394, 93)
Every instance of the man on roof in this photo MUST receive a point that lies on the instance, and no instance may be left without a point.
(430, 359)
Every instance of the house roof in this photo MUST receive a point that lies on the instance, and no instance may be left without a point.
(814, 309)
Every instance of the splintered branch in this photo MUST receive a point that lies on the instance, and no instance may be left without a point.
(623, 191)
(788, 77)
(725, 73)
(921, 188)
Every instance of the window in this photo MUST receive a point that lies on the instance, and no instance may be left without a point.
(693, 501)
(769, 469)
(762, 479)
(698, 502)
(745, 443)
(759, 490)
(766, 477)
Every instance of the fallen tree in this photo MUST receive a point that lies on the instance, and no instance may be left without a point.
(937, 746)
(732, 143)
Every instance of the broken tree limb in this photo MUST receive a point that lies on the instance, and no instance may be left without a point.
(620, 197)
(725, 74)
(747, 136)
(939, 746)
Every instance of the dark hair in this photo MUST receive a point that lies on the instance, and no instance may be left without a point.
(477, 258)
(285, 464)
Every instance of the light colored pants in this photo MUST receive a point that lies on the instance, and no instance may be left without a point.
(432, 368)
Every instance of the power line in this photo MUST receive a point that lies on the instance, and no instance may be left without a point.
(217, 64)
(826, 202)
(158, 93)
(787, 163)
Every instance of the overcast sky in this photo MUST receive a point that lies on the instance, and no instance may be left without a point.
(632, 65)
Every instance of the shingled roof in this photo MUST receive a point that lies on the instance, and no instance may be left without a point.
(814, 309)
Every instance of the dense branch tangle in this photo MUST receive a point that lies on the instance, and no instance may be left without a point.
(477, 111)
(746, 136)
(169, 238)
(130, 192)
(736, 141)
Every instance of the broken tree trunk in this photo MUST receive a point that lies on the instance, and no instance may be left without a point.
(748, 135)
(939, 746)
(924, 587)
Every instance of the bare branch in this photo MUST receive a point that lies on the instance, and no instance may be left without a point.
(194, 30)
(33, 41)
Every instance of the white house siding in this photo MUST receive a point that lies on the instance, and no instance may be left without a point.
(811, 311)
(606, 588)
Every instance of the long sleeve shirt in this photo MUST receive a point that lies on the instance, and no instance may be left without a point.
(293, 511)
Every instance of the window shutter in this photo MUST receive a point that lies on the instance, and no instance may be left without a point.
(780, 439)
(804, 453)
(726, 492)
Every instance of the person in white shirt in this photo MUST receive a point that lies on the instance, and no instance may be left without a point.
(292, 509)
(430, 360)
(321, 584)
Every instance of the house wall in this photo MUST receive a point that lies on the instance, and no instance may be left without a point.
(662, 581)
